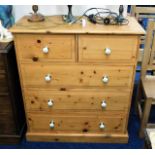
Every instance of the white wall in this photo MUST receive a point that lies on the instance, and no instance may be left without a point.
(21, 10)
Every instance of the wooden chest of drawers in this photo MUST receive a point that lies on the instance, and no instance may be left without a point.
(77, 82)
(12, 118)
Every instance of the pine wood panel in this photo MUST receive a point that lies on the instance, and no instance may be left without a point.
(77, 137)
(92, 48)
(55, 24)
(76, 75)
(75, 81)
(72, 124)
(76, 100)
(60, 47)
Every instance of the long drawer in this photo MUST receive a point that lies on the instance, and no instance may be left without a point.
(43, 75)
(76, 123)
(107, 48)
(45, 47)
(49, 100)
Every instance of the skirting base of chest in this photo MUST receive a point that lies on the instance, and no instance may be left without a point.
(94, 138)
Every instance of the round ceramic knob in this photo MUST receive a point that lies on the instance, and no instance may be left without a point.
(48, 78)
(45, 50)
(50, 103)
(102, 126)
(105, 79)
(103, 104)
(107, 51)
(52, 124)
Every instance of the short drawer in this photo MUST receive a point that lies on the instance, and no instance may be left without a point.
(35, 48)
(82, 124)
(99, 101)
(107, 48)
(76, 75)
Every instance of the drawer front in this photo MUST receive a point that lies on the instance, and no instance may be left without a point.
(3, 81)
(72, 124)
(76, 75)
(5, 104)
(3, 84)
(100, 48)
(46, 47)
(7, 124)
(76, 100)
(1, 62)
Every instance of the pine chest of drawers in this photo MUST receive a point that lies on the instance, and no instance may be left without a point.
(77, 82)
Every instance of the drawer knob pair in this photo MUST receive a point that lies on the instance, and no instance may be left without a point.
(107, 51)
(103, 104)
(50, 103)
(48, 77)
(102, 125)
(45, 50)
(105, 79)
(52, 124)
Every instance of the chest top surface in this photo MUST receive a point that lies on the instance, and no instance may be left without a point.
(55, 24)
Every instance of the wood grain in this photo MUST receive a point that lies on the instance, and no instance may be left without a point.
(55, 24)
(76, 75)
(72, 124)
(76, 87)
(8, 127)
(76, 100)
(5, 104)
(3, 78)
(77, 137)
(60, 47)
(123, 49)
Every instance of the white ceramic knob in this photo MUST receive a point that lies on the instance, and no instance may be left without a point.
(48, 77)
(50, 103)
(103, 104)
(45, 50)
(105, 79)
(52, 124)
(107, 51)
(102, 125)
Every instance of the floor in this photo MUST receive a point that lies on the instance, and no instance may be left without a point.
(134, 141)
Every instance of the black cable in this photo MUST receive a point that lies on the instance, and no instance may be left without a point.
(100, 19)
(95, 9)
(85, 13)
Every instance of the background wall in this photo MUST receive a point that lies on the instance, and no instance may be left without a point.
(21, 10)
